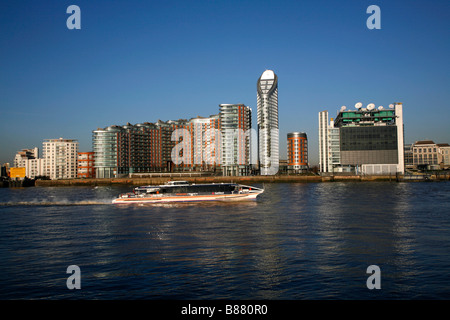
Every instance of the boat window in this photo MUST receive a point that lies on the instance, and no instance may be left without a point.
(199, 188)
(179, 189)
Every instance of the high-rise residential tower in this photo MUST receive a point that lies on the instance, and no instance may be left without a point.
(323, 141)
(236, 123)
(297, 151)
(268, 130)
(206, 143)
(329, 149)
(60, 158)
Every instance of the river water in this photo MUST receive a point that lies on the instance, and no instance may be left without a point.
(298, 241)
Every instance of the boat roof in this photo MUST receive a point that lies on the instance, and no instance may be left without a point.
(184, 183)
(197, 184)
(179, 182)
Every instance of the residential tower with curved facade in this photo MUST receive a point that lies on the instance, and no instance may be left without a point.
(268, 130)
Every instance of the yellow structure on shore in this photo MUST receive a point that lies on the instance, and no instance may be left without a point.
(17, 172)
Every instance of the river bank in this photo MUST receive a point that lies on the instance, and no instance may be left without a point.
(236, 179)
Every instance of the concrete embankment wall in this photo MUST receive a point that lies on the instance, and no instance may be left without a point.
(210, 179)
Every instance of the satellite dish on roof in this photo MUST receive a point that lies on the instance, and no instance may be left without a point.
(343, 108)
(358, 105)
(380, 108)
(370, 106)
(391, 106)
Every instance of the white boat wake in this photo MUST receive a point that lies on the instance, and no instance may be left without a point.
(54, 203)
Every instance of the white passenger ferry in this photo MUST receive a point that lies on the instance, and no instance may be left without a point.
(182, 191)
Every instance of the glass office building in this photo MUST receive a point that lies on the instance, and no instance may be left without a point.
(367, 137)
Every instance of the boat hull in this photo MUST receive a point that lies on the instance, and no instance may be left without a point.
(193, 198)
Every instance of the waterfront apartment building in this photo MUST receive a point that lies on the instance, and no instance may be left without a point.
(429, 155)
(85, 167)
(445, 155)
(170, 146)
(408, 154)
(60, 157)
(35, 168)
(29, 159)
(297, 152)
(172, 134)
(236, 122)
(206, 143)
(370, 140)
(24, 155)
(268, 129)
(192, 145)
(323, 141)
(4, 170)
(121, 150)
(329, 145)
(425, 153)
(105, 146)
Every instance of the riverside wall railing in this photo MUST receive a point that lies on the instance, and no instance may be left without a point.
(156, 179)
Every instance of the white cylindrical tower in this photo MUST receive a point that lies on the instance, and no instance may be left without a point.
(268, 130)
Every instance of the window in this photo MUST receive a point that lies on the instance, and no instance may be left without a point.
(368, 138)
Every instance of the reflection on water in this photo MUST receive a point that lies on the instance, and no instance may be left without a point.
(297, 241)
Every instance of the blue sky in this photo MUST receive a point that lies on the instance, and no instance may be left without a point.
(137, 61)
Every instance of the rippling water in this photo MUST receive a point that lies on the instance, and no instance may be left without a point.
(297, 241)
